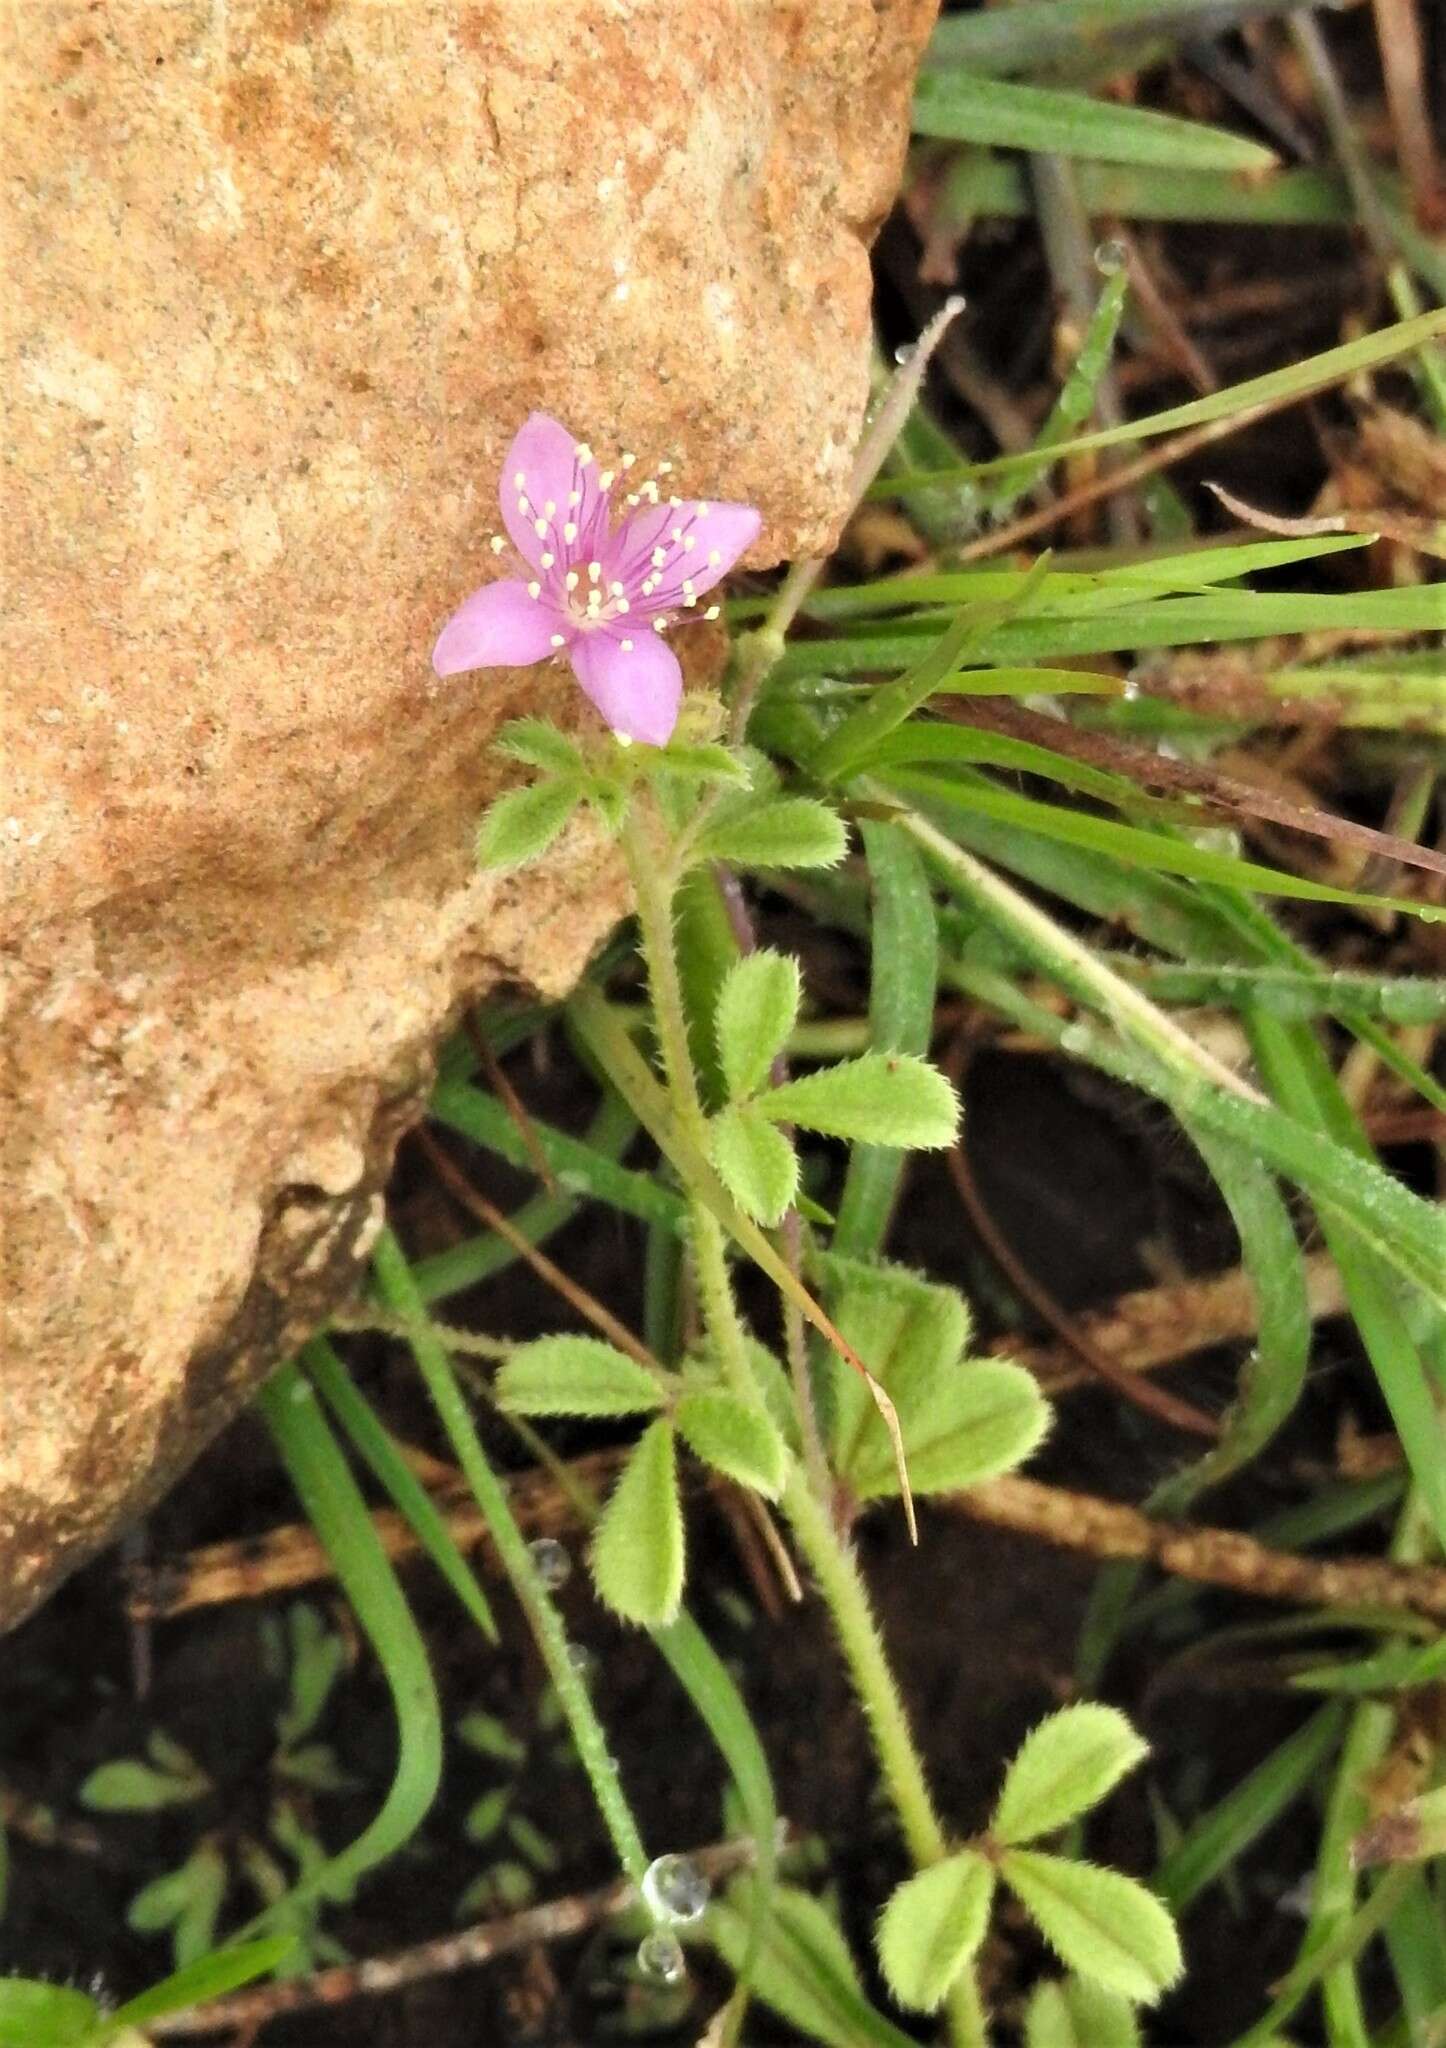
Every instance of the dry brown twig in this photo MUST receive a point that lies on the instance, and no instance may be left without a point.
(1053, 1514)
(380, 1976)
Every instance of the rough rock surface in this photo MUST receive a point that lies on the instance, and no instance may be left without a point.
(282, 277)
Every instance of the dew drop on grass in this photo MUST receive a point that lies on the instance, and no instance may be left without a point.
(551, 1562)
(675, 1889)
(904, 353)
(582, 1660)
(1111, 258)
(660, 1956)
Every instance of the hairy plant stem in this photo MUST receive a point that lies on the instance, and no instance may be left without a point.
(806, 1498)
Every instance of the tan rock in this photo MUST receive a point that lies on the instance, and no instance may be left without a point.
(282, 276)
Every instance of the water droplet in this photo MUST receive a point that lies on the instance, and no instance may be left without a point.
(551, 1562)
(1401, 1003)
(904, 353)
(582, 1660)
(1111, 258)
(675, 1889)
(660, 1956)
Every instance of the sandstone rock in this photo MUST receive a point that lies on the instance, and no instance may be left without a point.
(282, 278)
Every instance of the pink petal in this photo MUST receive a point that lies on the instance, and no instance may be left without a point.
(634, 680)
(545, 455)
(721, 531)
(499, 626)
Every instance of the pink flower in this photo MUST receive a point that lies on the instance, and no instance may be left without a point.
(598, 592)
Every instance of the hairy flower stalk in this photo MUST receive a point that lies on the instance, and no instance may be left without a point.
(596, 588)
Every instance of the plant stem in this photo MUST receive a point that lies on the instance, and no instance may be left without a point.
(806, 1497)
(399, 1290)
(835, 1568)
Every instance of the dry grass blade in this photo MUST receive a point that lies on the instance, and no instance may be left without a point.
(1226, 793)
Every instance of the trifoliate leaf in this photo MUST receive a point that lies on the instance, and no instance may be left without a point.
(1098, 1922)
(1066, 1765)
(978, 1418)
(881, 1098)
(160, 1902)
(905, 1328)
(757, 1008)
(523, 823)
(1078, 2014)
(539, 745)
(637, 1553)
(931, 1926)
(575, 1376)
(755, 1162)
(735, 1437)
(706, 763)
(783, 832)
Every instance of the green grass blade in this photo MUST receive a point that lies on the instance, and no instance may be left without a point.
(398, 1290)
(1133, 845)
(1030, 32)
(334, 1505)
(376, 1444)
(981, 183)
(1226, 1830)
(1297, 380)
(959, 106)
(580, 1167)
(904, 957)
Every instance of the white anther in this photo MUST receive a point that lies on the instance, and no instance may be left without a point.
(712, 612)
(497, 543)
(605, 479)
(689, 541)
(617, 589)
(703, 508)
(628, 461)
(569, 532)
(558, 640)
(550, 507)
(714, 558)
(622, 605)
(534, 590)
(626, 646)
(688, 586)
(539, 527)
(519, 480)
(548, 560)
(631, 498)
(594, 570)
(663, 468)
(574, 497)
(583, 453)
(570, 579)
(659, 557)
(659, 624)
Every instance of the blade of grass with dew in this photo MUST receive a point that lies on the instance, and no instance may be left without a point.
(1133, 844)
(580, 1167)
(1225, 615)
(482, 1257)
(376, 1444)
(1226, 1830)
(980, 183)
(904, 965)
(334, 1505)
(1193, 569)
(890, 705)
(1076, 397)
(1297, 380)
(1300, 1078)
(710, 1686)
(1292, 992)
(1272, 1379)
(398, 1290)
(958, 106)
